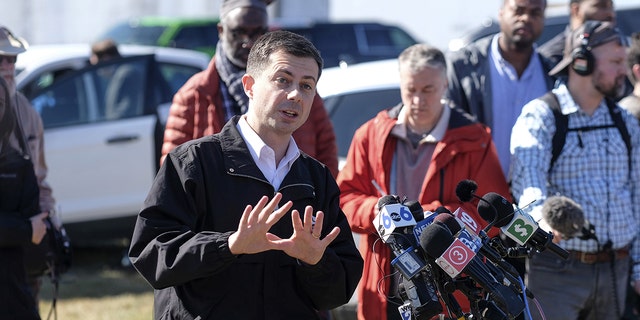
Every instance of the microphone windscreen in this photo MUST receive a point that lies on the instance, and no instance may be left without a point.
(465, 190)
(496, 204)
(448, 221)
(563, 215)
(388, 199)
(416, 209)
(435, 239)
(442, 209)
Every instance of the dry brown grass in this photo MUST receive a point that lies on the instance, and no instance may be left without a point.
(98, 288)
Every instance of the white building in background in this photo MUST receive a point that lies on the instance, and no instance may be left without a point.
(435, 22)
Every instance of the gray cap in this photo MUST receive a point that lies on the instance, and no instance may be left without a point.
(596, 34)
(11, 45)
(228, 5)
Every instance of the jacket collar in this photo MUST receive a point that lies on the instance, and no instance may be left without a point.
(238, 160)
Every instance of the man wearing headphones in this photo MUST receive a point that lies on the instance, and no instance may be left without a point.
(595, 168)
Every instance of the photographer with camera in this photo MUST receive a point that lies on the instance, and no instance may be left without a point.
(418, 149)
(21, 222)
(28, 136)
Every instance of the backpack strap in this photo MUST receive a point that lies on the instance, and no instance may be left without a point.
(616, 116)
(562, 126)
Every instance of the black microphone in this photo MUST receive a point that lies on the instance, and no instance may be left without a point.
(454, 225)
(566, 216)
(395, 223)
(454, 258)
(519, 226)
(465, 191)
(416, 209)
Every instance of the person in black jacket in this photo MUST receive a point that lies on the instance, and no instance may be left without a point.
(20, 219)
(241, 224)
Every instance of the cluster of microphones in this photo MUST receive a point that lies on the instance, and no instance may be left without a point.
(438, 253)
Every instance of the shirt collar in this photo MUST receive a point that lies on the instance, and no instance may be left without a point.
(260, 150)
(436, 134)
(504, 66)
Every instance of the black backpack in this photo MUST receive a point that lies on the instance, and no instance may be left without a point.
(562, 126)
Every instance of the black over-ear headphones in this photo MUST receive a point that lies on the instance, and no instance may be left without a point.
(582, 59)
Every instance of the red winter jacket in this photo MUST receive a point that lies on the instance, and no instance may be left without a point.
(465, 152)
(197, 111)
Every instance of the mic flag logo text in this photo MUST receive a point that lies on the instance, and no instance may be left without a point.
(520, 229)
(392, 216)
(455, 258)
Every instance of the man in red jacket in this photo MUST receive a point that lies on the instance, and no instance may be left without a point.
(211, 97)
(419, 149)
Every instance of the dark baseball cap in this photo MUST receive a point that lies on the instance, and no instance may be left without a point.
(590, 35)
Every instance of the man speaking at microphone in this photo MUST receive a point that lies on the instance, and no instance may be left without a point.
(419, 149)
(595, 168)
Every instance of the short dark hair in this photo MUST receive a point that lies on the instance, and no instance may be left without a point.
(633, 55)
(105, 48)
(284, 41)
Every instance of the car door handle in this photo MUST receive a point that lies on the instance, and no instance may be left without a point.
(122, 139)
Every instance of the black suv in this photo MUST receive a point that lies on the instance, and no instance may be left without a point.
(348, 43)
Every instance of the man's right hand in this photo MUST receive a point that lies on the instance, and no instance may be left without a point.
(254, 226)
(39, 227)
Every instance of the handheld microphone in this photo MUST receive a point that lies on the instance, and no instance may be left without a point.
(519, 226)
(454, 258)
(566, 216)
(395, 223)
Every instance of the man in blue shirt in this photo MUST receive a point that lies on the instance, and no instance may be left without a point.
(495, 76)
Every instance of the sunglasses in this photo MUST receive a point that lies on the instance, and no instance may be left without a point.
(9, 59)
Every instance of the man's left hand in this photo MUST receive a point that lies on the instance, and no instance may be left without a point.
(306, 244)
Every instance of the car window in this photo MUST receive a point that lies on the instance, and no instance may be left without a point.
(65, 103)
(349, 111)
(109, 91)
(176, 75)
(43, 80)
(123, 88)
(386, 40)
(193, 37)
(135, 34)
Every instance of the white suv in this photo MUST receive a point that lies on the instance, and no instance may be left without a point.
(101, 163)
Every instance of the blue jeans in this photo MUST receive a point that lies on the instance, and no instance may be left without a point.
(569, 289)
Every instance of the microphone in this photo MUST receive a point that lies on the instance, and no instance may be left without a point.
(476, 243)
(465, 191)
(395, 224)
(519, 226)
(391, 216)
(454, 258)
(566, 216)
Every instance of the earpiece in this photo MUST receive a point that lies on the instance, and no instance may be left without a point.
(582, 58)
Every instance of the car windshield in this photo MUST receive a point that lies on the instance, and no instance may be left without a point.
(134, 34)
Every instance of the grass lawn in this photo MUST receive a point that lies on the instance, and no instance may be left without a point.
(98, 288)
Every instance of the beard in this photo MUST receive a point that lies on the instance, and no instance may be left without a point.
(11, 83)
(521, 44)
(612, 90)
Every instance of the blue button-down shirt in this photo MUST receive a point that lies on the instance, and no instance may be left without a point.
(594, 171)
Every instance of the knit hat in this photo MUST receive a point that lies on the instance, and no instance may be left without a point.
(228, 5)
(588, 36)
(11, 45)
